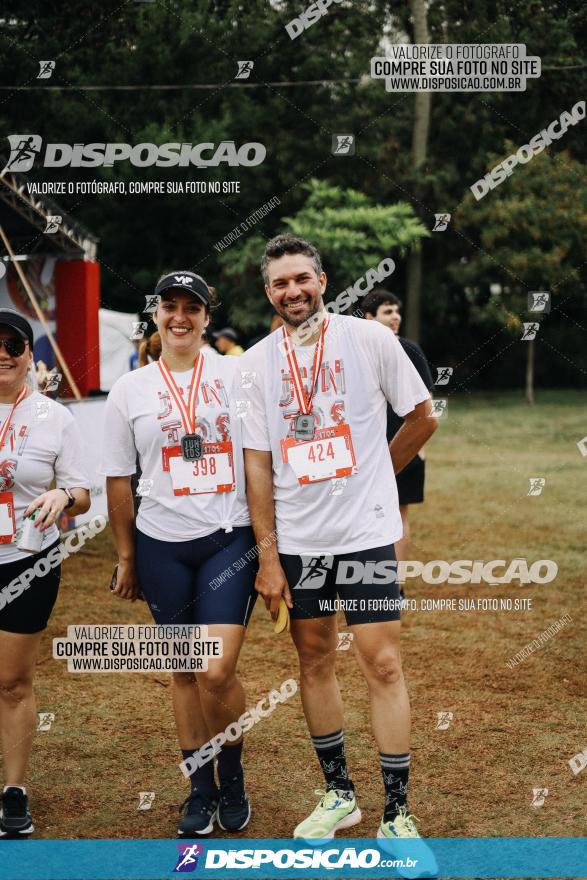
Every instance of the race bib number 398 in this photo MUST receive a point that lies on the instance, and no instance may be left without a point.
(328, 456)
(214, 472)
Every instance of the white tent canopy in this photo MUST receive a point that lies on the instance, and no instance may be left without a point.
(116, 347)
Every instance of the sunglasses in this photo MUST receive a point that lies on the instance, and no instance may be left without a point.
(14, 347)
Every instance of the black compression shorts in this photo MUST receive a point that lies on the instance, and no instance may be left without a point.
(203, 581)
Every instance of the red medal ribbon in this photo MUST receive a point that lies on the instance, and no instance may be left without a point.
(188, 414)
(6, 425)
(305, 401)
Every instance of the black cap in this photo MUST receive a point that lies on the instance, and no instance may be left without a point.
(13, 319)
(226, 331)
(189, 282)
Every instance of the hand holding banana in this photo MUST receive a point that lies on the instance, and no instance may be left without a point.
(283, 620)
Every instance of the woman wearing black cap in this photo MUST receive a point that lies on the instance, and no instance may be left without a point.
(39, 446)
(193, 550)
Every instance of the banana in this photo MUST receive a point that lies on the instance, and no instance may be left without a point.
(282, 623)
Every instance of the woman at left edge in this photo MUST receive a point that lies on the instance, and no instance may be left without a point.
(39, 445)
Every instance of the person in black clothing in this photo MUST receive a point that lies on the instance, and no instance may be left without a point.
(383, 306)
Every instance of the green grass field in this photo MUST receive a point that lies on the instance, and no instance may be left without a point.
(512, 730)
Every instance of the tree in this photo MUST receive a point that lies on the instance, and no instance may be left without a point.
(351, 232)
(529, 234)
(186, 44)
(465, 130)
(419, 150)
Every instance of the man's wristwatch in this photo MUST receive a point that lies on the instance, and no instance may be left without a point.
(71, 499)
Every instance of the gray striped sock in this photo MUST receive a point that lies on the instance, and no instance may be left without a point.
(395, 770)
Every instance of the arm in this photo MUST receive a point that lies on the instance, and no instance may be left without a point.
(405, 392)
(68, 472)
(83, 502)
(271, 582)
(121, 514)
(119, 460)
(417, 428)
(420, 361)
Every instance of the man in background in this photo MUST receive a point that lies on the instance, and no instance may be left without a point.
(383, 306)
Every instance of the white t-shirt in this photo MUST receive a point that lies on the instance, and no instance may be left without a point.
(363, 367)
(141, 417)
(43, 445)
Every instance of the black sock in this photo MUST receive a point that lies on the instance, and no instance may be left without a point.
(330, 751)
(395, 770)
(229, 761)
(202, 779)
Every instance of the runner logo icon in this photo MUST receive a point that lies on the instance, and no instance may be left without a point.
(538, 797)
(444, 719)
(46, 68)
(539, 301)
(53, 223)
(444, 374)
(151, 302)
(45, 721)
(441, 222)
(343, 145)
(24, 149)
(138, 329)
(530, 331)
(314, 571)
(146, 799)
(187, 860)
(244, 69)
(537, 484)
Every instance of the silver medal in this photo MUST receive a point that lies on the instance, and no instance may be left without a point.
(305, 426)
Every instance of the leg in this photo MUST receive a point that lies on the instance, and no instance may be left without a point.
(223, 702)
(192, 731)
(221, 693)
(18, 713)
(376, 647)
(315, 640)
(314, 631)
(159, 564)
(225, 606)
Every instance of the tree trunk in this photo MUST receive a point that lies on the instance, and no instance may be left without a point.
(530, 373)
(419, 152)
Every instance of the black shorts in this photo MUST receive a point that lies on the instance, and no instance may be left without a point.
(26, 605)
(410, 482)
(363, 584)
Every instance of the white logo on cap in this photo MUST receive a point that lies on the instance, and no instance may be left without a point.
(183, 279)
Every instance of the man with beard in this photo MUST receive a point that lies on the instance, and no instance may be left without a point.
(313, 398)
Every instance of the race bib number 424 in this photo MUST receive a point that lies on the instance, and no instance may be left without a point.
(214, 472)
(328, 456)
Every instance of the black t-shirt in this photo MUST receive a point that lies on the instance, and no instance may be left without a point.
(418, 358)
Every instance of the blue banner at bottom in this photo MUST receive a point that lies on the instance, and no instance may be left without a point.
(497, 857)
